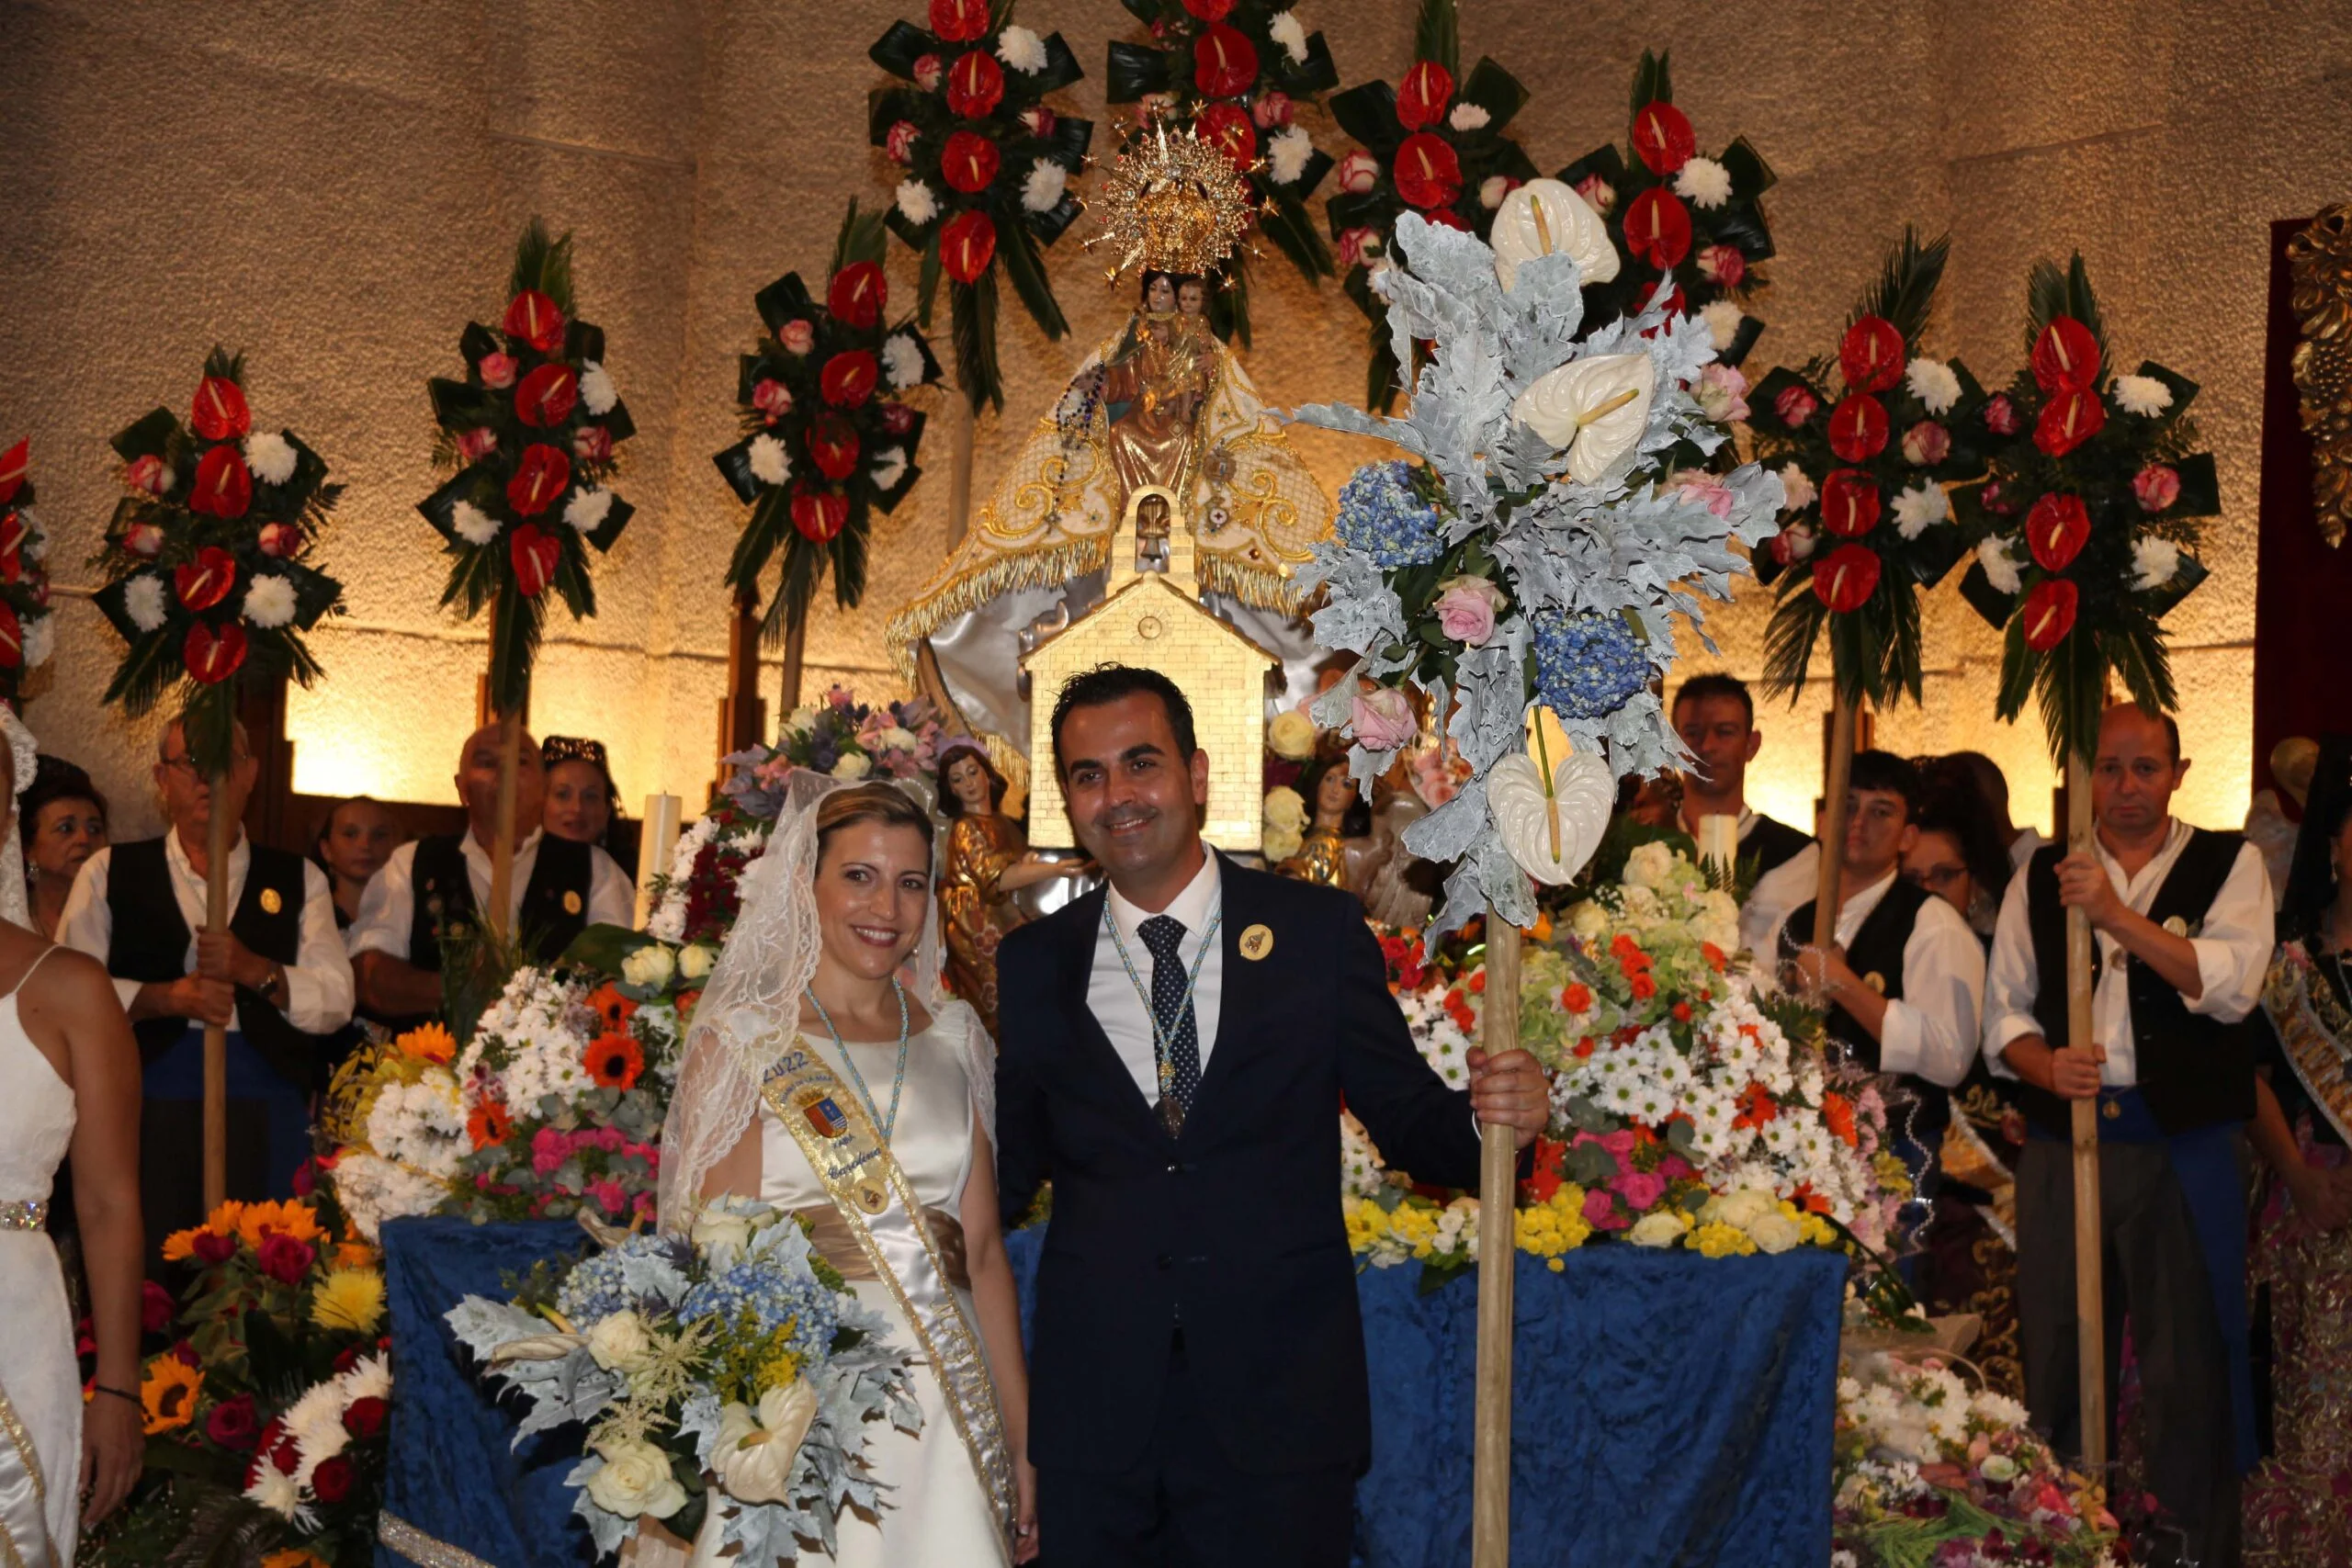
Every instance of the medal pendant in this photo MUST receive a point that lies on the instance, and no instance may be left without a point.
(1172, 1116)
(870, 1197)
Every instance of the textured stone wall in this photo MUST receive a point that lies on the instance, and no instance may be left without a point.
(335, 188)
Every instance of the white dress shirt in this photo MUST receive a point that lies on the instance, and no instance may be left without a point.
(1930, 1030)
(1776, 893)
(2021, 848)
(1126, 1014)
(387, 909)
(318, 989)
(2232, 945)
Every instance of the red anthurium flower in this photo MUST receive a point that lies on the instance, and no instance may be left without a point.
(213, 656)
(819, 514)
(1228, 127)
(857, 294)
(1209, 10)
(12, 640)
(532, 317)
(848, 379)
(970, 162)
(1858, 428)
(544, 474)
(1871, 355)
(1225, 63)
(2065, 356)
(959, 21)
(1446, 218)
(967, 245)
(833, 445)
(1421, 98)
(975, 85)
(1845, 577)
(1662, 138)
(2070, 417)
(206, 581)
(2056, 529)
(1849, 502)
(219, 413)
(15, 463)
(535, 555)
(12, 533)
(1658, 228)
(1427, 173)
(223, 486)
(547, 396)
(2050, 613)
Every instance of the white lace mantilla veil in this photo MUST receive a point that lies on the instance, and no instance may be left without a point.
(15, 905)
(749, 1010)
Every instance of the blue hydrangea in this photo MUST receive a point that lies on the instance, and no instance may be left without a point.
(621, 1278)
(773, 1293)
(1382, 515)
(1588, 665)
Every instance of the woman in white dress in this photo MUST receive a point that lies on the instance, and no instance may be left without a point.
(69, 1083)
(832, 971)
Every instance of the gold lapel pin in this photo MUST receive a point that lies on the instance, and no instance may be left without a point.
(1875, 981)
(571, 902)
(1256, 942)
(270, 902)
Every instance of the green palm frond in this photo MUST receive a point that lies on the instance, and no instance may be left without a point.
(1437, 34)
(2051, 292)
(544, 264)
(1906, 290)
(517, 622)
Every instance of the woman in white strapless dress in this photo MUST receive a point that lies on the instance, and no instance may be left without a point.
(69, 1083)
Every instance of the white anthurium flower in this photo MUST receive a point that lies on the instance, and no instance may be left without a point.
(2154, 562)
(588, 508)
(916, 203)
(1041, 191)
(269, 602)
(2142, 395)
(471, 523)
(1597, 409)
(2000, 567)
(770, 466)
(757, 1451)
(1285, 30)
(270, 456)
(1932, 382)
(143, 602)
(1919, 508)
(1022, 49)
(597, 394)
(1527, 816)
(1703, 183)
(1546, 217)
(889, 466)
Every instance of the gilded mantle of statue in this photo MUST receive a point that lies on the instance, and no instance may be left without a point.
(2320, 260)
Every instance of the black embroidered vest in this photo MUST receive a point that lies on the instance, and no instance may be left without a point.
(555, 901)
(1877, 951)
(1771, 843)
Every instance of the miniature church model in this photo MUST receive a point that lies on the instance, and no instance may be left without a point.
(1151, 614)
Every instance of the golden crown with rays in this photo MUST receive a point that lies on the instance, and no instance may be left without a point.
(1172, 201)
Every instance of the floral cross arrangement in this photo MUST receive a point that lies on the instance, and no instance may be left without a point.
(829, 438)
(531, 430)
(2095, 491)
(27, 636)
(207, 559)
(987, 167)
(1238, 71)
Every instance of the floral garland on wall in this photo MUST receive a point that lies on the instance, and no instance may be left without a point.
(27, 636)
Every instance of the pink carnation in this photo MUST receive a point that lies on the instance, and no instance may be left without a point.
(1640, 1189)
(549, 1149)
(609, 1195)
(1600, 1210)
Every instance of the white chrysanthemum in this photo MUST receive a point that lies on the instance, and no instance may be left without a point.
(315, 1423)
(1723, 317)
(2155, 561)
(1469, 117)
(273, 1489)
(1285, 30)
(587, 509)
(916, 204)
(2142, 395)
(270, 457)
(1919, 508)
(143, 602)
(1932, 382)
(770, 466)
(1703, 183)
(2000, 567)
(1042, 190)
(1022, 49)
(1287, 153)
(270, 601)
(902, 360)
(41, 641)
(1796, 488)
(889, 466)
(596, 392)
(471, 523)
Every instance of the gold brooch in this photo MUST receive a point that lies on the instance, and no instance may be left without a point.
(2177, 926)
(2112, 1110)
(1256, 942)
(270, 902)
(1875, 981)
(571, 902)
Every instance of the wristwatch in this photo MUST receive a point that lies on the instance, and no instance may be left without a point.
(272, 989)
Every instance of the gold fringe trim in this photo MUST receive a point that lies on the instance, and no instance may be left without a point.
(972, 588)
(397, 1534)
(1261, 588)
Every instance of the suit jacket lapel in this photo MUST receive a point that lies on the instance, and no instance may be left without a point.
(1246, 986)
(1093, 1045)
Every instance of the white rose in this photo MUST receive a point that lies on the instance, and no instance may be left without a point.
(1773, 1232)
(1997, 1468)
(800, 721)
(757, 1452)
(649, 966)
(1588, 921)
(897, 738)
(694, 962)
(716, 1228)
(1285, 809)
(1738, 1210)
(1291, 736)
(1649, 865)
(620, 1342)
(851, 766)
(635, 1480)
(1662, 1228)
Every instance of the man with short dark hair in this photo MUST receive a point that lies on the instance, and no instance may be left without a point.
(1177, 1047)
(1716, 719)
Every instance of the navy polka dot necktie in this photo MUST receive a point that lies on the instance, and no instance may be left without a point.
(1179, 1032)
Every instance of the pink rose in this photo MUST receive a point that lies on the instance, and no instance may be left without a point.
(898, 419)
(1640, 1189)
(1383, 719)
(1727, 264)
(592, 444)
(477, 443)
(1993, 501)
(1707, 491)
(147, 474)
(1795, 405)
(1359, 172)
(2000, 415)
(1600, 1210)
(1596, 193)
(497, 370)
(1493, 188)
(1355, 243)
(929, 69)
(280, 540)
(1722, 392)
(898, 144)
(796, 335)
(2155, 486)
(773, 399)
(1926, 444)
(1467, 607)
(1272, 111)
(1434, 778)
(143, 539)
(1038, 120)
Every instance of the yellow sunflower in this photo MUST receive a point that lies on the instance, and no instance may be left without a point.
(168, 1393)
(349, 1299)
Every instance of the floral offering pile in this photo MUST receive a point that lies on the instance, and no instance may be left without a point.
(27, 636)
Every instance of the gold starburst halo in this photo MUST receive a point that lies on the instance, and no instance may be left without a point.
(1172, 201)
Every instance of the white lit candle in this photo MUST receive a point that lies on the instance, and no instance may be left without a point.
(653, 847)
(1719, 841)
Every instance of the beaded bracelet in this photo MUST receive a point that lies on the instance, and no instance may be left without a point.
(119, 1393)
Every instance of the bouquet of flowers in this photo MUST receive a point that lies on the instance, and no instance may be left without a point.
(732, 1375)
(987, 167)
(27, 636)
(1929, 1471)
(828, 438)
(531, 430)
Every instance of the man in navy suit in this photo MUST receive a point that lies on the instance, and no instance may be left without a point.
(1176, 1050)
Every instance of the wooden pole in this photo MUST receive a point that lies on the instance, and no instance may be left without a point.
(2091, 1294)
(501, 851)
(796, 644)
(218, 838)
(959, 471)
(1498, 1192)
(1833, 822)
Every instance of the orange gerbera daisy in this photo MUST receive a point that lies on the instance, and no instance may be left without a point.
(290, 1218)
(613, 1007)
(614, 1061)
(428, 1043)
(490, 1123)
(168, 1393)
(685, 1006)
(292, 1557)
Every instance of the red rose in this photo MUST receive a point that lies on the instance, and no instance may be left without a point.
(146, 473)
(1662, 138)
(280, 540)
(213, 1249)
(833, 445)
(899, 145)
(206, 581)
(15, 463)
(532, 317)
(233, 1424)
(1225, 63)
(819, 514)
(592, 444)
(1038, 120)
(975, 85)
(772, 398)
(535, 555)
(1795, 406)
(2070, 417)
(497, 370)
(224, 486)
(1727, 264)
(364, 1418)
(928, 70)
(848, 379)
(967, 245)
(858, 293)
(1273, 110)
(2056, 529)
(1209, 10)
(959, 21)
(284, 1453)
(285, 1259)
(970, 162)
(219, 413)
(478, 442)
(1228, 129)
(2050, 613)
(330, 1479)
(2155, 486)
(1658, 228)
(155, 1307)
(547, 396)
(1849, 502)
(897, 418)
(1427, 172)
(1845, 577)
(211, 657)
(2065, 356)
(1858, 429)
(1428, 87)
(544, 474)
